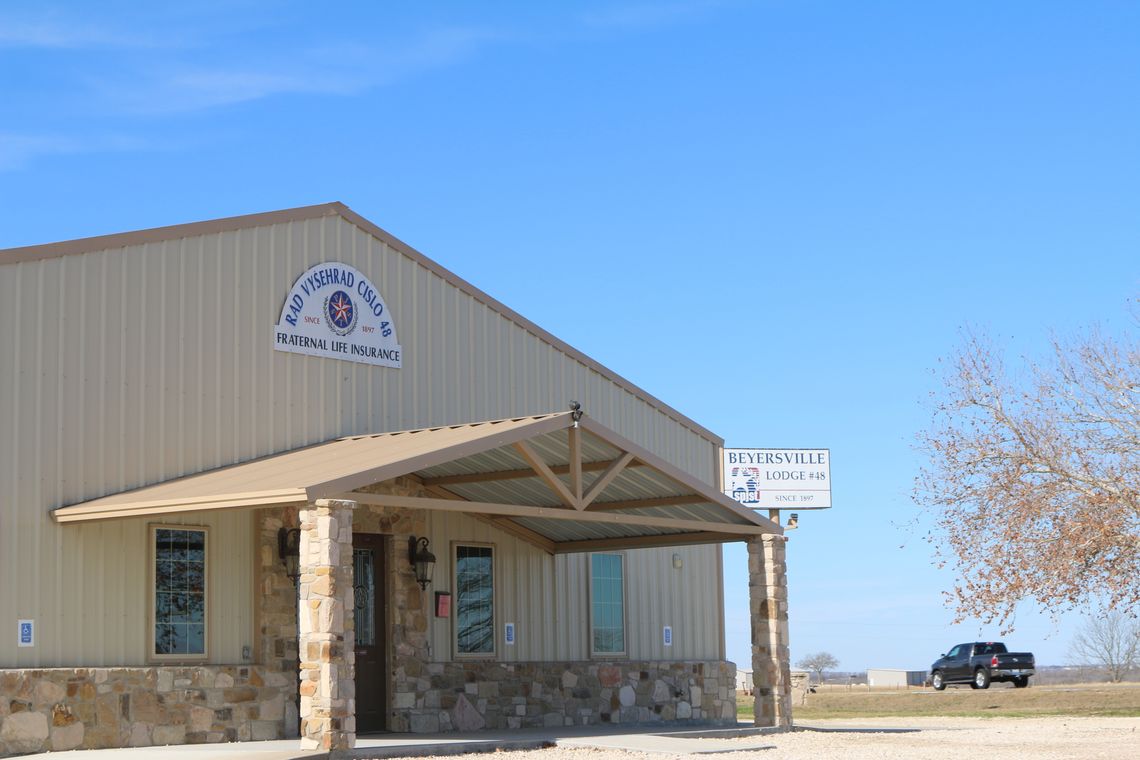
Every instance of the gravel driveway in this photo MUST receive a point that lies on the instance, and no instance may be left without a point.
(873, 739)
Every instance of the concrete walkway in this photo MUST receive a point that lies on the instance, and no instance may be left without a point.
(635, 739)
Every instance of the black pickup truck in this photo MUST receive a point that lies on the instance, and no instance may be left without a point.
(979, 663)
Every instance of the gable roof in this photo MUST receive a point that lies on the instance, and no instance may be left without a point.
(303, 213)
(532, 477)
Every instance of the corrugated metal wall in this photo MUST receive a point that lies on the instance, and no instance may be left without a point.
(547, 597)
(136, 365)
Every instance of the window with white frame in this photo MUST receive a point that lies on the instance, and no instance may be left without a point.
(474, 600)
(179, 602)
(607, 604)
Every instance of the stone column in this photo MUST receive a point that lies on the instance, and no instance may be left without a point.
(328, 685)
(768, 608)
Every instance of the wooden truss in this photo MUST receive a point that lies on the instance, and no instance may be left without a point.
(579, 502)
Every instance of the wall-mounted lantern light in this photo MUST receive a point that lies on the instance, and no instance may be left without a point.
(793, 522)
(422, 560)
(289, 551)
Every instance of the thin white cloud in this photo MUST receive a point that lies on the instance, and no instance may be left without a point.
(342, 70)
(19, 150)
(198, 89)
(176, 62)
(57, 33)
(16, 151)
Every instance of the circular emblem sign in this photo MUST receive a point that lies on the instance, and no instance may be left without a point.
(334, 311)
(340, 313)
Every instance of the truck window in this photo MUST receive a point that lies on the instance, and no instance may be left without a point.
(955, 652)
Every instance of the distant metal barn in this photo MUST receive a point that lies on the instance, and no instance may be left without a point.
(893, 678)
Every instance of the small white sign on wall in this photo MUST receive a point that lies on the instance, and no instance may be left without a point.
(667, 635)
(509, 634)
(27, 633)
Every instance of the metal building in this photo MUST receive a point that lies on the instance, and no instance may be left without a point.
(895, 678)
(283, 475)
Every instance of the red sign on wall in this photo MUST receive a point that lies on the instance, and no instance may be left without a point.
(443, 604)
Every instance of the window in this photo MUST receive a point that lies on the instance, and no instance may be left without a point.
(179, 602)
(607, 604)
(474, 600)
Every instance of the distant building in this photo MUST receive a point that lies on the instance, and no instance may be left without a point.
(899, 679)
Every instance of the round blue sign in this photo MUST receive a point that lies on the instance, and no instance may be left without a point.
(340, 313)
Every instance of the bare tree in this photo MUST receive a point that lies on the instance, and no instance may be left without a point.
(1033, 480)
(817, 663)
(1111, 642)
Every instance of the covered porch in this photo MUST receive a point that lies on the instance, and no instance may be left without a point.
(560, 483)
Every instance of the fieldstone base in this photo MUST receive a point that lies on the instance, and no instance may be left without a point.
(459, 696)
(95, 708)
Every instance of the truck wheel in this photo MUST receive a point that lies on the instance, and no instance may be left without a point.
(981, 679)
(1021, 682)
(936, 680)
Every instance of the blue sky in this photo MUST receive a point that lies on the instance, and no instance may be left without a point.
(776, 216)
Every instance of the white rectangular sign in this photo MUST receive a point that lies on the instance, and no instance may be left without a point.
(778, 478)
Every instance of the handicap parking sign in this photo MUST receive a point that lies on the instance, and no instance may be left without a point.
(27, 636)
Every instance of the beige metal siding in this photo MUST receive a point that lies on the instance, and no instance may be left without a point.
(89, 592)
(131, 366)
(547, 597)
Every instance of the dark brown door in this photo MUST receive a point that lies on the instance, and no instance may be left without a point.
(371, 640)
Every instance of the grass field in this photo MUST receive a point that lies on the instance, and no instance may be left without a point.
(1000, 700)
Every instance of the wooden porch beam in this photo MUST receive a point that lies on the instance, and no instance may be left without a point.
(485, 477)
(553, 513)
(575, 442)
(660, 501)
(510, 527)
(504, 524)
(642, 542)
(543, 469)
(606, 478)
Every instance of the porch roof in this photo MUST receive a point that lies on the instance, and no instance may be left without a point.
(562, 484)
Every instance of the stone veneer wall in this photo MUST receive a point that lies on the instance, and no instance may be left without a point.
(93, 708)
(468, 696)
(276, 600)
(428, 696)
(277, 616)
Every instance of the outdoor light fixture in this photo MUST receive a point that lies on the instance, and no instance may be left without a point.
(289, 551)
(677, 562)
(422, 560)
(793, 521)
